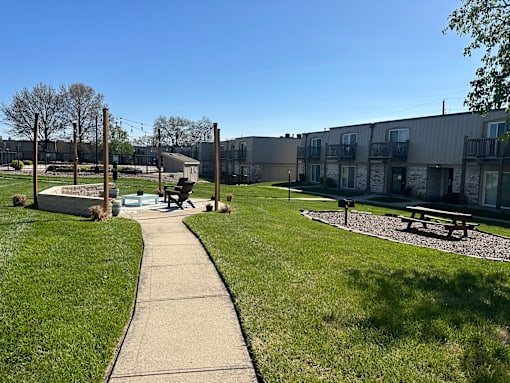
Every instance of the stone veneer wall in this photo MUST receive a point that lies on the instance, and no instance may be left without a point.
(332, 172)
(472, 186)
(457, 175)
(72, 199)
(361, 177)
(417, 180)
(377, 178)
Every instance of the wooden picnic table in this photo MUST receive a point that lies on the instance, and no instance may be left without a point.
(450, 220)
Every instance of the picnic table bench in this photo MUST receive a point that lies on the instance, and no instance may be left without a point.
(450, 220)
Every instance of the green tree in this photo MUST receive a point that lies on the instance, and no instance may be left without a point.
(487, 23)
(118, 141)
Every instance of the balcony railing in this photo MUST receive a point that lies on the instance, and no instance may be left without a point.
(389, 150)
(342, 151)
(240, 155)
(309, 152)
(486, 148)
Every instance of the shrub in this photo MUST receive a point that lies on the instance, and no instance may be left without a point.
(28, 162)
(85, 168)
(330, 182)
(97, 213)
(17, 164)
(19, 200)
(226, 209)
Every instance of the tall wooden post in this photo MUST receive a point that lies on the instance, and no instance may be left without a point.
(75, 155)
(106, 165)
(216, 165)
(35, 157)
(159, 160)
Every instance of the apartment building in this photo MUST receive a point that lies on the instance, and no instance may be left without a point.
(455, 155)
(258, 159)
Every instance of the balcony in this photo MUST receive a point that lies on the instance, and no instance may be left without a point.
(389, 150)
(226, 154)
(342, 152)
(313, 152)
(486, 148)
(240, 155)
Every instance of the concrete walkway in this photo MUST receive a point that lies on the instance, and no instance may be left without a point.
(184, 327)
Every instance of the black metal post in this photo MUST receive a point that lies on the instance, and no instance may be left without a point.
(289, 187)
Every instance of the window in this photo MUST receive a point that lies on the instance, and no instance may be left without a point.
(349, 138)
(399, 135)
(244, 170)
(316, 173)
(496, 129)
(490, 190)
(316, 147)
(348, 177)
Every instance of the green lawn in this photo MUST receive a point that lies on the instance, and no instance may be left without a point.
(67, 286)
(319, 304)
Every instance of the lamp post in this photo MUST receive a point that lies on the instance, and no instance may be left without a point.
(289, 187)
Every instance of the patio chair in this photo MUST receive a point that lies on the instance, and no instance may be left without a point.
(180, 183)
(177, 187)
(180, 196)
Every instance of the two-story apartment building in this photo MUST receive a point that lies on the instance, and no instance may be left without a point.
(258, 159)
(431, 157)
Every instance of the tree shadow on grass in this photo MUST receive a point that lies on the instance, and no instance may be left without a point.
(466, 307)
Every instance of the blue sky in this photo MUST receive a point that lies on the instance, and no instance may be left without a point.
(257, 68)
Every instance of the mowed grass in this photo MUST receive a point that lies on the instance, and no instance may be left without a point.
(319, 304)
(67, 286)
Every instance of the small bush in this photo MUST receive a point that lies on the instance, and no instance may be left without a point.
(330, 182)
(17, 164)
(19, 200)
(28, 162)
(85, 168)
(226, 209)
(97, 213)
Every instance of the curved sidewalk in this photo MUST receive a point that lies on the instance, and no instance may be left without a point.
(184, 327)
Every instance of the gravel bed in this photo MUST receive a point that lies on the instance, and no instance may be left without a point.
(477, 244)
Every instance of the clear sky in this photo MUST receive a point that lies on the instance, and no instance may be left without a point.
(257, 68)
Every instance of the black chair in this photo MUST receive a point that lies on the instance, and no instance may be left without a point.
(178, 187)
(180, 196)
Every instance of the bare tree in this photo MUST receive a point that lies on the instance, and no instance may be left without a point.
(173, 130)
(42, 99)
(83, 104)
(200, 131)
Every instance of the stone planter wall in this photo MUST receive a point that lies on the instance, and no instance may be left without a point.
(71, 199)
